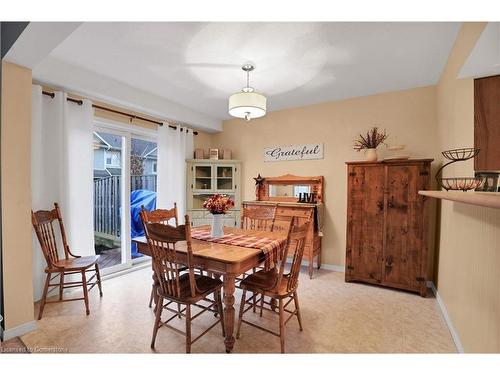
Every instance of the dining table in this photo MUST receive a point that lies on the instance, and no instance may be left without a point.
(237, 252)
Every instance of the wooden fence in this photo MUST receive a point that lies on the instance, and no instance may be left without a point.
(107, 219)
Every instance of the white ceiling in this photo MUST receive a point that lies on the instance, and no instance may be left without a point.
(484, 59)
(197, 65)
(37, 40)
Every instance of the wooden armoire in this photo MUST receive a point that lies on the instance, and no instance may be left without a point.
(387, 223)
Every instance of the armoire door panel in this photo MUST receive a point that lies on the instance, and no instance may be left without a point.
(419, 215)
(402, 251)
(365, 222)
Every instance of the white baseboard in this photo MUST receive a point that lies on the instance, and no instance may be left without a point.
(447, 319)
(19, 330)
(330, 267)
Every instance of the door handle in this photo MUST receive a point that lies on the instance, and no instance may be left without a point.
(380, 206)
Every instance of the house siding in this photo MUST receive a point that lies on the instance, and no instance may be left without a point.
(99, 159)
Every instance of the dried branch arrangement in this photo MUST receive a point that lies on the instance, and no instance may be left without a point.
(372, 139)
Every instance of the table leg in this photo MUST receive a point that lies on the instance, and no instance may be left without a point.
(229, 287)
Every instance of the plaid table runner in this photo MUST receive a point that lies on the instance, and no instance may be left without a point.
(272, 248)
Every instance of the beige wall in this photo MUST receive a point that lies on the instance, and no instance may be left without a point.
(468, 276)
(16, 195)
(203, 140)
(408, 116)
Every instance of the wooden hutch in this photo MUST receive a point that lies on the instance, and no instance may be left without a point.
(283, 192)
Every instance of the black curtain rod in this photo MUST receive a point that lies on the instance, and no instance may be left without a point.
(80, 102)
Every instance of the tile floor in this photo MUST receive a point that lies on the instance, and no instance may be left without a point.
(338, 317)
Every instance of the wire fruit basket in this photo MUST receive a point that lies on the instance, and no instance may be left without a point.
(462, 183)
(459, 183)
(460, 154)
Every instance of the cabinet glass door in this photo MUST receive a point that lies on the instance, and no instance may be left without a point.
(224, 175)
(202, 177)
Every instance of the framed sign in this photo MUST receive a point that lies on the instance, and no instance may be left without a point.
(294, 152)
(213, 153)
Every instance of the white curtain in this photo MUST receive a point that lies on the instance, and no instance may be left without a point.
(174, 147)
(77, 200)
(61, 171)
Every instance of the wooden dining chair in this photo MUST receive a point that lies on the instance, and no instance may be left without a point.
(71, 264)
(277, 285)
(188, 289)
(163, 216)
(258, 218)
(261, 218)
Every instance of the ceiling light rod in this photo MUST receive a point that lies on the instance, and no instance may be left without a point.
(248, 68)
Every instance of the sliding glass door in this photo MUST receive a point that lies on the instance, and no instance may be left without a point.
(109, 174)
(142, 172)
(124, 180)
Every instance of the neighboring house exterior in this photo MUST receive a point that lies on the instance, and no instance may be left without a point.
(107, 155)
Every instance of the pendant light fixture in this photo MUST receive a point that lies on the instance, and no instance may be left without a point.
(247, 104)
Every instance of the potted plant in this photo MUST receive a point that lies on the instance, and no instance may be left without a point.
(370, 142)
(218, 204)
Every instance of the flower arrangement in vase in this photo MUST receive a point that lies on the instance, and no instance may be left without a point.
(218, 205)
(370, 142)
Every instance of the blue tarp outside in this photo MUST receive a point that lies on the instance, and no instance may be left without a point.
(139, 198)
